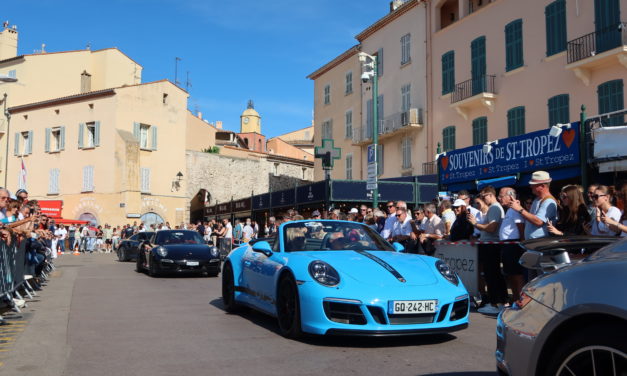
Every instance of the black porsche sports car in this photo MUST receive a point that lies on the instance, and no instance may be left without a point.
(128, 248)
(178, 251)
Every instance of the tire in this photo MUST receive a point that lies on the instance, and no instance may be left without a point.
(152, 268)
(122, 255)
(138, 265)
(228, 289)
(288, 308)
(599, 341)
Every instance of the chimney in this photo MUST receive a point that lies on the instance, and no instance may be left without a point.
(395, 4)
(8, 41)
(219, 124)
(199, 114)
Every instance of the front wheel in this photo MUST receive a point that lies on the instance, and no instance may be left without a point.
(122, 254)
(288, 308)
(152, 267)
(599, 350)
(228, 289)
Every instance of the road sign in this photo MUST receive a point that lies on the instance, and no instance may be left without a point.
(371, 182)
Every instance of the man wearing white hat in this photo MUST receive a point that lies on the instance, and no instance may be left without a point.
(543, 208)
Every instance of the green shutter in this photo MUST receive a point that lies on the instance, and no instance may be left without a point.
(154, 137)
(559, 110)
(516, 121)
(380, 62)
(448, 138)
(610, 95)
(97, 133)
(81, 132)
(448, 72)
(47, 145)
(480, 131)
(513, 45)
(555, 22)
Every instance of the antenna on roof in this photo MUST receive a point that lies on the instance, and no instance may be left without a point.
(188, 83)
(5, 24)
(88, 46)
(176, 70)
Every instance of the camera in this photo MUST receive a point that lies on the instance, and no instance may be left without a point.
(365, 77)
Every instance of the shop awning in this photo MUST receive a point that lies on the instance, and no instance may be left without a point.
(63, 221)
(497, 182)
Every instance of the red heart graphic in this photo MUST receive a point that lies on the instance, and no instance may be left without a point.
(485, 169)
(568, 136)
(531, 162)
(446, 176)
(444, 162)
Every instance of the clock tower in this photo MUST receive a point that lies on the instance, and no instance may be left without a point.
(250, 121)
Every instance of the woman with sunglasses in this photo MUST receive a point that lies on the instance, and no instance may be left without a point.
(573, 213)
(604, 209)
(622, 224)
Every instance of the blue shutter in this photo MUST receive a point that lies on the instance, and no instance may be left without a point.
(97, 133)
(380, 161)
(48, 134)
(16, 147)
(380, 62)
(516, 121)
(513, 45)
(559, 110)
(154, 137)
(81, 132)
(448, 138)
(30, 143)
(62, 138)
(369, 122)
(555, 21)
(480, 131)
(136, 131)
(610, 95)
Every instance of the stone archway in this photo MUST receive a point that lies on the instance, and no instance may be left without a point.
(86, 216)
(151, 218)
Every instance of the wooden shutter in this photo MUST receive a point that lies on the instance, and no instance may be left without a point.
(97, 133)
(136, 131)
(48, 134)
(16, 147)
(380, 62)
(81, 133)
(30, 143)
(62, 138)
(154, 137)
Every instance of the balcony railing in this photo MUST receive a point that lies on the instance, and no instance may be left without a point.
(390, 124)
(472, 87)
(430, 168)
(597, 42)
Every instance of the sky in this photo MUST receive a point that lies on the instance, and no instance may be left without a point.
(233, 50)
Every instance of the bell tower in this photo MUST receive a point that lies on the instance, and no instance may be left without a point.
(8, 41)
(250, 121)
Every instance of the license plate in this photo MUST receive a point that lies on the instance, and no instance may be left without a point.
(192, 263)
(400, 307)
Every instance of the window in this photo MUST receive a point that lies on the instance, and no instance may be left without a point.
(304, 173)
(380, 159)
(88, 179)
(480, 131)
(380, 62)
(516, 121)
(146, 135)
(12, 73)
(406, 152)
(611, 99)
(555, 20)
(327, 129)
(348, 126)
(405, 98)
(448, 138)
(23, 143)
(349, 166)
(55, 139)
(327, 94)
(558, 110)
(53, 183)
(405, 49)
(513, 45)
(88, 135)
(349, 83)
(275, 169)
(448, 72)
(145, 180)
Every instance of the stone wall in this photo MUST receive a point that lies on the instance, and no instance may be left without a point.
(226, 177)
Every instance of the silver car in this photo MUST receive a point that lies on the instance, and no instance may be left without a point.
(572, 320)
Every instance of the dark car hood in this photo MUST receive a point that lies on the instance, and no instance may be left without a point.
(187, 251)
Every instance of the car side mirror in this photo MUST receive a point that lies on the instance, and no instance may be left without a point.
(545, 261)
(263, 247)
(398, 247)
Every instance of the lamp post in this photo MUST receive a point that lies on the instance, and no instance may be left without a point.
(369, 65)
(7, 115)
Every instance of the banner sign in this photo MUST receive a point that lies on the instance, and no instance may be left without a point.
(529, 152)
(51, 208)
(356, 191)
(241, 205)
(261, 201)
(284, 198)
(224, 208)
(209, 211)
(315, 192)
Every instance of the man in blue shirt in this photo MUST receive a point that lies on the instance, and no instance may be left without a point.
(543, 208)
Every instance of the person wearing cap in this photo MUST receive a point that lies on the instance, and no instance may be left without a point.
(543, 209)
(315, 214)
(461, 229)
(511, 230)
(22, 196)
(354, 211)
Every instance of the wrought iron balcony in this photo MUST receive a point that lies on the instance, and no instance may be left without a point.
(391, 125)
(476, 92)
(597, 42)
(430, 168)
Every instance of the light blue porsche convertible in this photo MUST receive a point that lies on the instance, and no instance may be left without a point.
(341, 278)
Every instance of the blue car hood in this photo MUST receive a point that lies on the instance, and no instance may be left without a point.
(379, 270)
(187, 251)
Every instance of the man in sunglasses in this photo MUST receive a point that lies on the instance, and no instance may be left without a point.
(543, 209)
(390, 220)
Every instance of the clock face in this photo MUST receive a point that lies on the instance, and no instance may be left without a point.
(245, 119)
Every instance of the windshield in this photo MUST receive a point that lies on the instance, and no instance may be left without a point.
(331, 235)
(178, 237)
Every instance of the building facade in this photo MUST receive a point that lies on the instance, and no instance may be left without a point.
(504, 68)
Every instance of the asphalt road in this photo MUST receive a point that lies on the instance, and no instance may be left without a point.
(98, 317)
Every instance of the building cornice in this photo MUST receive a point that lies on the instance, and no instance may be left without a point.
(62, 100)
(406, 7)
(335, 62)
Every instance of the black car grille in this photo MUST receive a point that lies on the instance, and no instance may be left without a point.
(460, 310)
(421, 318)
(377, 314)
(443, 311)
(344, 313)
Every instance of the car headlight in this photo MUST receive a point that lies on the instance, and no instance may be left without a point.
(447, 272)
(214, 251)
(324, 273)
(161, 251)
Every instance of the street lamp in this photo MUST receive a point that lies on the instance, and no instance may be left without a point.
(369, 66)
(7, 115)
